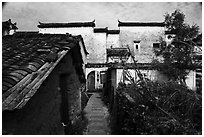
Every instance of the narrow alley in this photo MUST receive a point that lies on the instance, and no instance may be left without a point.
(102, 68)
(97, 114)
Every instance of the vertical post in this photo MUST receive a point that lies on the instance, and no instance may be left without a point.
(95, 73)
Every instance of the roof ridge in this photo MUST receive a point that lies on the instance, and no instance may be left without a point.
(139, 23)
(67, 24)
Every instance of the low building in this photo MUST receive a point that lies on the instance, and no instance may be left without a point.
(140, 38)
(43, 77)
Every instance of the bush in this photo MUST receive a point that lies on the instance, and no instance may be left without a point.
(167, 108)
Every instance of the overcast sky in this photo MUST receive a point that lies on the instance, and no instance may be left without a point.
(27, 15)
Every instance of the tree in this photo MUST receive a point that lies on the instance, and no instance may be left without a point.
(175, 23)
(178, 54)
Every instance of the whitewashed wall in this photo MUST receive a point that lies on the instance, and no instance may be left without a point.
(113, 40)
(99, 48)
(71, 30)
(97, 75)
(146, 35)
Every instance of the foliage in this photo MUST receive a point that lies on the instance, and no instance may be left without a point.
(183, 109)
(176, 23)
(178, 54)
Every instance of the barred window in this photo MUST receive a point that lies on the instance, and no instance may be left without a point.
(156, 45)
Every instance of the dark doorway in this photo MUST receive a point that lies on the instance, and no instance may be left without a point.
(91, 81)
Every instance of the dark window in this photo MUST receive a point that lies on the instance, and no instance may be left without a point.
(98, 76)
(156, 45)
(136, 46)
(103, 76)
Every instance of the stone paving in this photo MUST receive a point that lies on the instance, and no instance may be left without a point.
(97, 114)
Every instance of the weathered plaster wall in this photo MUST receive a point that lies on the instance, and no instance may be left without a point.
(146, 35)
(72, 86)
(113, 40)
(99, 48)
(70, 30)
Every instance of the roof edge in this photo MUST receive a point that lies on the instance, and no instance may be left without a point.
(151, 24)
(69, 24)
(100, 30)
(113, 32)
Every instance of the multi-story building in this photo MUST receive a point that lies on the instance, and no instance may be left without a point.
(108, 46)
(141, 39)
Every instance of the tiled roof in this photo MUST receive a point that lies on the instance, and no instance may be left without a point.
(152, 24)
(100, 30)
(117, 52)
(27, 59)
(113, 31)
(64, 25)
